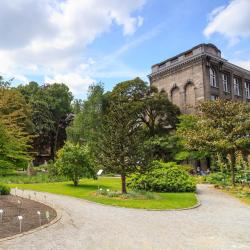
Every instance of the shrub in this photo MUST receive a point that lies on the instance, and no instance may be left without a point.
(190, 169)
(163, 177)
(19, 178)
(4, 189)
(218, 178)
(74, 162)
(138, 195)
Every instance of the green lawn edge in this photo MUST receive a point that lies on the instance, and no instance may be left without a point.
(87, 187)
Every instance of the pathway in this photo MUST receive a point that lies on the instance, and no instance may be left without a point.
(222, 222)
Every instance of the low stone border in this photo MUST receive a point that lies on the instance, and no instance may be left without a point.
(55, 220)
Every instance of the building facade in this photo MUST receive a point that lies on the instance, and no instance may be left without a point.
(200, 74)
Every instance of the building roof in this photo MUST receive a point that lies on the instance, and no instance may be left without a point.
(186, 52)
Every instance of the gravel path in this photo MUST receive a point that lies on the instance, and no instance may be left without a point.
(222, 222)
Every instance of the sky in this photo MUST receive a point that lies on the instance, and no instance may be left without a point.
(80, 42)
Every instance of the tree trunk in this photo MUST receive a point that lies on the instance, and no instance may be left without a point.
(233, 159)
(52, 146)
(124, 188)
(75, 182)
(208, 160)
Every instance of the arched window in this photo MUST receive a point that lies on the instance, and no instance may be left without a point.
(212, 77)
(190, 95)
(175, 96)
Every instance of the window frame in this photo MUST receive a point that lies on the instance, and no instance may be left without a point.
(236, 83)
(247, 89)
(212, 78)
(225, 83)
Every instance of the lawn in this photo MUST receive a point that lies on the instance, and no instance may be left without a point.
(88, 187)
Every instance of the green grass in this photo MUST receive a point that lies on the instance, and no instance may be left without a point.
(88, 187)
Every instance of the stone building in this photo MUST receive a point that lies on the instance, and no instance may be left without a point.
(200, 74)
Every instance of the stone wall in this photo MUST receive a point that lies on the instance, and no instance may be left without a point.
(183, 85)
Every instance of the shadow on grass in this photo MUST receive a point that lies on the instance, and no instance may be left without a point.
(87, 186)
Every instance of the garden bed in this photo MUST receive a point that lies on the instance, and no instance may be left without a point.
(14, 206)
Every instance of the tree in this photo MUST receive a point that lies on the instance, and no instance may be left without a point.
(220, 126)
(157, 112)
(50, 105)
(119, 144)
(88, 119)
(14, 126)
(13, 148)
(73, 162)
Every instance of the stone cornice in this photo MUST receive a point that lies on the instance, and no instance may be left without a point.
(167, 69)
(176, 66)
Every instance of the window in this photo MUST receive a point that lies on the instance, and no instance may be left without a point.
(225, 82)
(212, 77)
(247, 89)
(214, 97)
(236, 86)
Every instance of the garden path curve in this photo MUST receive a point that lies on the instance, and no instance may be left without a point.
(221, 222)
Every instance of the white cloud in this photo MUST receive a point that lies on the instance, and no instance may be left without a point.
(50, 37)
(232, 21)
(78, 84)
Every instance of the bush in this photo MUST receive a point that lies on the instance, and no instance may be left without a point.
(223, 179)
(19, 178)
(218, 179)
(163, 177)
(138, 195)
(74, 162)
(189, 168)
(4, 189)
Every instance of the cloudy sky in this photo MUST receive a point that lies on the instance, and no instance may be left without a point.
(83, 41)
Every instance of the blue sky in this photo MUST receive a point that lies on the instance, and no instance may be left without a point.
(79, 42)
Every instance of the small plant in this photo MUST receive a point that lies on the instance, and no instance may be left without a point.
(4, 189)
(135, 195)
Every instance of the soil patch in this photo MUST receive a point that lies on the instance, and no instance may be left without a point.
(14, 206)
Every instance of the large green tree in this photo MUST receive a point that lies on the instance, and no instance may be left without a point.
(220, 126)
(88, 117)
(157, 113)
(120, 138)
(50, 106)
(14, 127)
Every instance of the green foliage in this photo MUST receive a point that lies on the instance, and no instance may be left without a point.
(189, 168)
(218, 178)
(119, 147)
(88, 117)
(4, 189)
(221, 126)
(14, 127)
(138, 195)
(73, 162)
(50, 105)
(25, 179)
(157, 113)
(163, 177)
(13, 148)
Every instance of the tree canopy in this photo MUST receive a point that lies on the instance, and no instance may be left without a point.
(221, 126)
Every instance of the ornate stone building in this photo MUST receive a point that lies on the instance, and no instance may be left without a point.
(200, 74)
